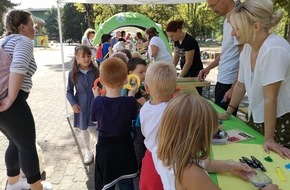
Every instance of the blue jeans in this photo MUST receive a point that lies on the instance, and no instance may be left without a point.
(125, 184)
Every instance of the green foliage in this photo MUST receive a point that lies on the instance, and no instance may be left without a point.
(5, 5)
(51, 25)
(73, 23)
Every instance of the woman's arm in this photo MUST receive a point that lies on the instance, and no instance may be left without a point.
(270, 93)
(155, 50)
(189, 55)
(237, 96)
(175, 57)
(15, 82)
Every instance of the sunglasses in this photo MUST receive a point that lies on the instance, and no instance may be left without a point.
(239, 6)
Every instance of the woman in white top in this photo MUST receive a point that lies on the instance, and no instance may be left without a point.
(157, 50)
(264, 73)
(87, 39)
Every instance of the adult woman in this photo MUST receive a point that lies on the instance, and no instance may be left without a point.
(87, 39)
(264, 73)
(157, 50)
(186, 50)
(16, 119)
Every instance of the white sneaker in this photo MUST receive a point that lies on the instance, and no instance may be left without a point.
(88, 158)
(19, 185)
(46, 185)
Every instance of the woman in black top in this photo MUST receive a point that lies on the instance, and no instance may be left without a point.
(186, 50)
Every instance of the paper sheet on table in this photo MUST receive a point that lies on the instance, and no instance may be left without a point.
(236, 151)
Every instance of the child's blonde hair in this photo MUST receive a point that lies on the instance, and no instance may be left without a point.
(185, 133)
(113, 72)
(161, 80)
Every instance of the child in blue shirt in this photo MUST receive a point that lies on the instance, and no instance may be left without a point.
(115, 155)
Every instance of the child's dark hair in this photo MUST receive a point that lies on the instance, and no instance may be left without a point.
(134, 61)
(127, 52)
(85, 50)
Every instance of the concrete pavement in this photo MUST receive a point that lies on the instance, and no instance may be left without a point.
(61, 144)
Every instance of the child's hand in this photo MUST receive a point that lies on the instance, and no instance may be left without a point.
(95, 91)
(133, 91)
(223, 116)
(240, 169)
(76, 108)
(270, 187)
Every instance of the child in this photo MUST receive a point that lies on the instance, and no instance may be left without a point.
(160, 83)
(115, 156)
(81, 78)
(184, 140)
(138, 66)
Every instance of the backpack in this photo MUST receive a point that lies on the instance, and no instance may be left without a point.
(99, 53)
(5, 62)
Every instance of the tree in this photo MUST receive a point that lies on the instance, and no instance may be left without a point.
(51, 24)
(5, 5)
(73, 23)
(285, 6)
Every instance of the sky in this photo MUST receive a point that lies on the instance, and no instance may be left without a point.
(25, 4)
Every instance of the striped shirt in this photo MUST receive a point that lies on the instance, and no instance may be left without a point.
(20, 48)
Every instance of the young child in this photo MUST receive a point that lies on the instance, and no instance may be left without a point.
(115, 156)
(79, 94)
(138, 66)
(184, 140)
(160, 83)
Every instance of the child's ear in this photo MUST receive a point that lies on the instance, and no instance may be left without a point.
(125, 81)
(130, 72)
(147, 89)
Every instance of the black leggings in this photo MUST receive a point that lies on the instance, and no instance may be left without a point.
(17, 124)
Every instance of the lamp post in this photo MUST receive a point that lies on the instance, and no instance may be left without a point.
(82, 28)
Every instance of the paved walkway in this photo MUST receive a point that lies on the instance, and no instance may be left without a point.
(59, 142)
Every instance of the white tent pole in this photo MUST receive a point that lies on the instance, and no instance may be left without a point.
(62, 55)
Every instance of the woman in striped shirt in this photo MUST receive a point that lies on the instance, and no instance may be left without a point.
(20, 131)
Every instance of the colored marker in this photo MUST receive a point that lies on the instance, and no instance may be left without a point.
(280, 174)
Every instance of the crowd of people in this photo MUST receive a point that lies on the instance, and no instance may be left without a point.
(152, 131)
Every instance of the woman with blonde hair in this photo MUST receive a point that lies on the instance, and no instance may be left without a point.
(184, 140)
(87, 39)
(264, 73)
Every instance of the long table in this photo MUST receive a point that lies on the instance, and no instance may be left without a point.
(246, 148)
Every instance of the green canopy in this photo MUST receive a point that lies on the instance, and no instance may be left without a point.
(128, 19)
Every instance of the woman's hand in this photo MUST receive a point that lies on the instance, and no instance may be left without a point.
(275, 147)
(5, 104)
(76, 108)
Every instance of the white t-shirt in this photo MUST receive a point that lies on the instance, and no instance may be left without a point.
(163, 54)
(150, 118)
(272, 65)
(118, 46)
(229, 59)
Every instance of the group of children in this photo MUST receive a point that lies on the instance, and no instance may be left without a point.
(177, 126)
